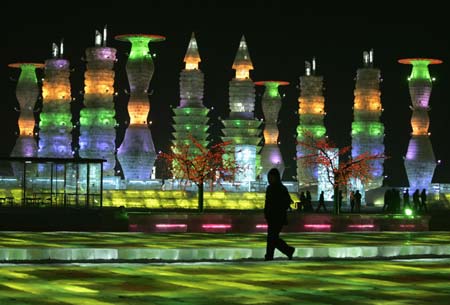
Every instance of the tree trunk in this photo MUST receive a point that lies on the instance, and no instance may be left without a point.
(337, 209)
(200, 196)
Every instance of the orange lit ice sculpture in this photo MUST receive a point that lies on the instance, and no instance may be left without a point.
(191, 116)
(55, 118)
(271, 105)
(27, 92)
(367, 130)
(311, 111)
(241, 128)
(97, 122)
(137, 152)
(420, 162)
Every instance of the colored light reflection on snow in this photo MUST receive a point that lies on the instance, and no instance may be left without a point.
(216, 226)
(170, 225)
(361, 226)
(317, 226)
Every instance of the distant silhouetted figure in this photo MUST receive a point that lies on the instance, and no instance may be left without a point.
(352, 201)
(406, 203)
(416, 200)
(396, 200)
(321, 202)
(308, 202)
(277, 203)
(302, 203)
(340, 197)
(387, 201)
(358, 201)
(423, 201)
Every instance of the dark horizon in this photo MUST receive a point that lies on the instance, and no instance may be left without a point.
(279, 42)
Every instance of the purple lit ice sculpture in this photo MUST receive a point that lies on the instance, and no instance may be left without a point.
(271, 104)
(420, 161)
(137, 153)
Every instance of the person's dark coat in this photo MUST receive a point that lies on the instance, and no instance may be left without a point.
(277, 203)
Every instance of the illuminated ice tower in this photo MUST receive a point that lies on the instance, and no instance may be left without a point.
(55, 119)
(27, 92)
(367, 130)
(271, 105)
(420, 161)
(137, 152)
(191, 117)
(97, 122)
(311, 111)
(241, 128)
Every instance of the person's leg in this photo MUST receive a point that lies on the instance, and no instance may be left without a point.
(280, 244)
(272, 236)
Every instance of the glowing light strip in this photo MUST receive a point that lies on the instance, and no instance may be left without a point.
(261, 226)
(170, 225)
(361, 226)
(317, 226)
(216, 226)
(408, 226)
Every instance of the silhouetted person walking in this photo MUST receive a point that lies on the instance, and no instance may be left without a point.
(352, 201)
(277, 203)
(357, 201)
(302, 205)
(321, 202)
(406, 203)
(423, 201)
(416, 200)
(308, 203)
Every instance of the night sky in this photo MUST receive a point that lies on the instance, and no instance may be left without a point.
(279, 39)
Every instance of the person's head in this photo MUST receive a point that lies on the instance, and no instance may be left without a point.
(273, 176)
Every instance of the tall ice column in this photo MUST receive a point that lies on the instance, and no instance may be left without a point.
(311, 111)
(271, 105)
(367, 130)
(27, 92)
(137, 152)
(97, 119)
(55, 124)
(420, 161)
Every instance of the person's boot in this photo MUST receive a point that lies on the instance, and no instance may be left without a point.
(268, 258)
(290, 253)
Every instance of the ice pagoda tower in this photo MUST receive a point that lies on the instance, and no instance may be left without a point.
(241, 128)
(191, 116)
